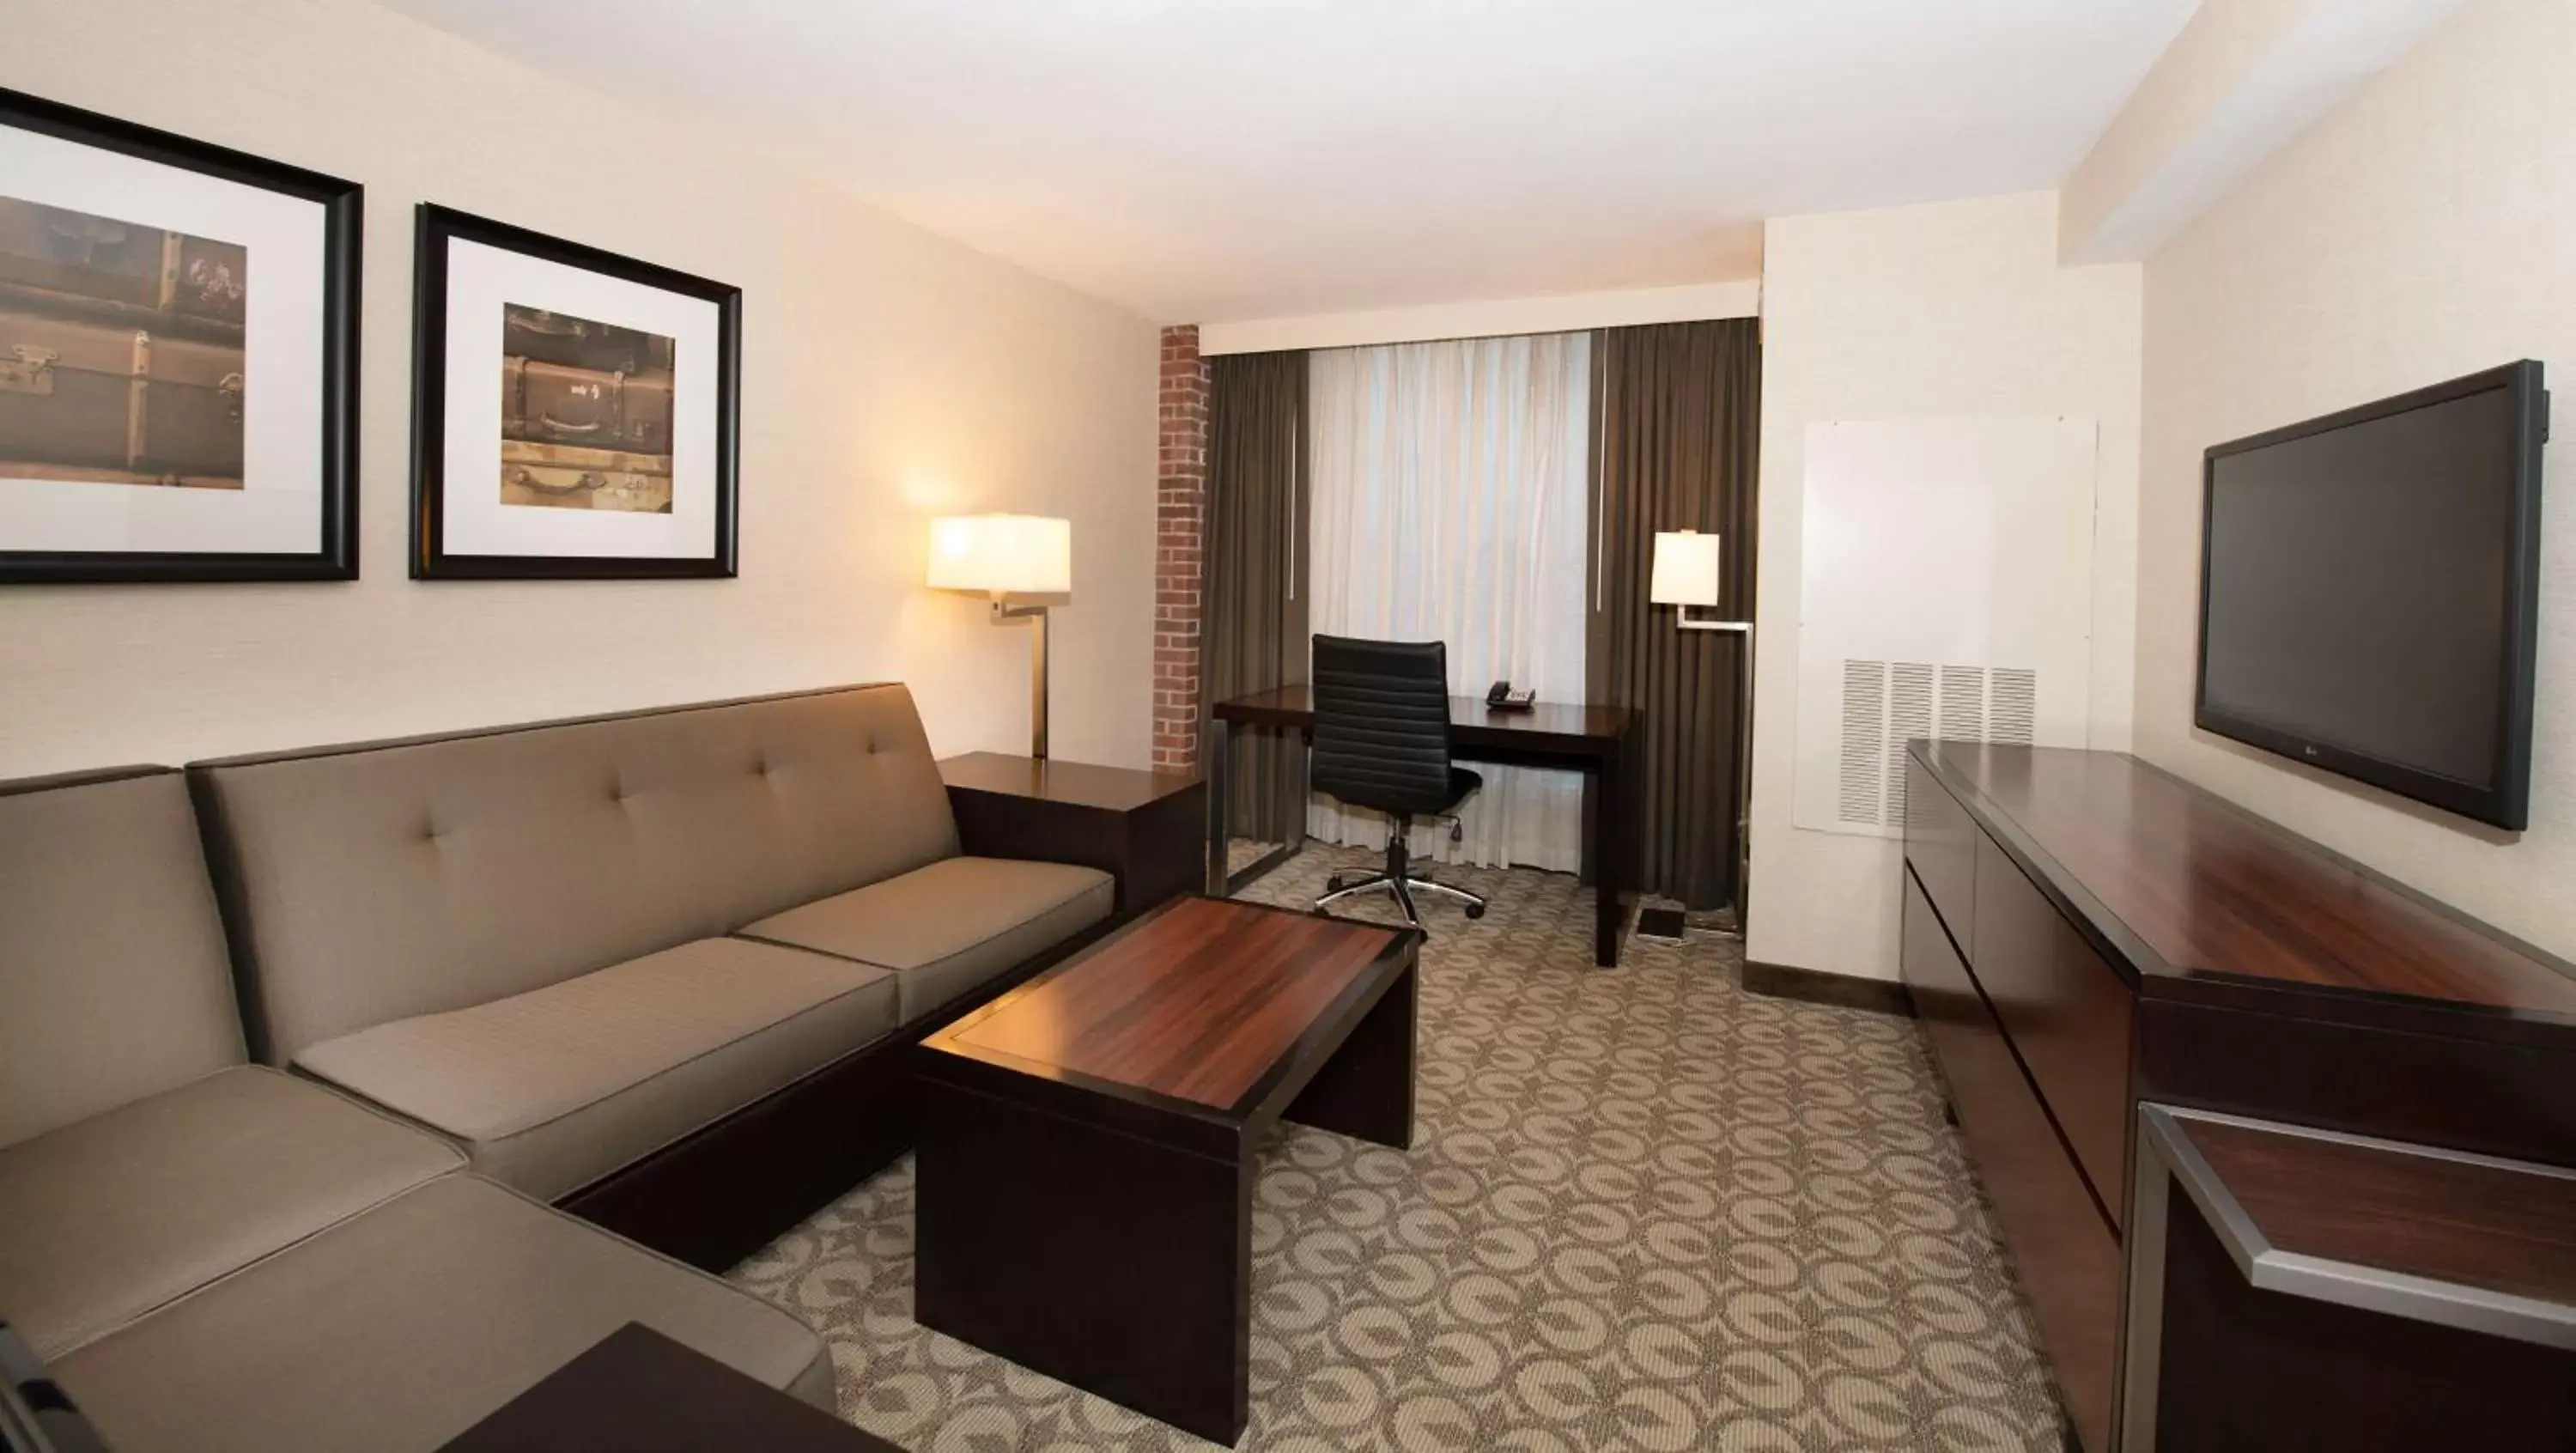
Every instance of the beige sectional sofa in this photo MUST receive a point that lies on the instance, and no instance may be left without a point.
(213, 1255)
(578, 950)
(661, 969)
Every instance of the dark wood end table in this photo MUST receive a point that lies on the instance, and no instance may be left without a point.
(637, 1391)
(2291, 1287)
(1140, 827)
(1085, 1160)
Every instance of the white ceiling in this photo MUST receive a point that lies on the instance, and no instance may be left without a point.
(1216, 160)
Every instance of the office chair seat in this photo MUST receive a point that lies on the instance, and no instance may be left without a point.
(1381, 740)
(1463, 784)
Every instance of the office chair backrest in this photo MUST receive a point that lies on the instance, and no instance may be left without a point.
(1381, 736)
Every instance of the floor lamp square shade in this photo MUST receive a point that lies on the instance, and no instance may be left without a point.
(1686, 569)
(1003, 556)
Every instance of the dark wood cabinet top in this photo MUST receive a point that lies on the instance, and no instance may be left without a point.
(2443, 1217)
(1576, 730)
(1050, 779)
(2196, 896)
(1203, 1001)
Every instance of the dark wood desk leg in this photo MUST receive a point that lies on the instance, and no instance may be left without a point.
(1588, 871)
(1365, 1090)
(1215, 750)
(1302, 739)
(1097, 1258)
(1612, 873)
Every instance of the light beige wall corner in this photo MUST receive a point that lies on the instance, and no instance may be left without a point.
(1953, 309)
(2419, 233)
(2213, 56)
(887, 374)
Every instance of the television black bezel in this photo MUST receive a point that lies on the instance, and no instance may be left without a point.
(2506, 802)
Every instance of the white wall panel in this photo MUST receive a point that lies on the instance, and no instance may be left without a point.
(1946, 589)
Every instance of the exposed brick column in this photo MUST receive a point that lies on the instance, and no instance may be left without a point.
(1180, 509)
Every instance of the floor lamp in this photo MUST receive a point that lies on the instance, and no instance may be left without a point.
(1689, 571)
(1010, 558)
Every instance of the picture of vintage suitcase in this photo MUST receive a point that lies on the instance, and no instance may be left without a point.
(557, 403)
(56, 259)
(93, 401)
(581, 343)
(566, 476)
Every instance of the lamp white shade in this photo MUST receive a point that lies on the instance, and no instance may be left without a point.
(1002, 554)
(1686, 569)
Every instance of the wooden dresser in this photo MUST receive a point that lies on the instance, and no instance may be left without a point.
(2083, 932)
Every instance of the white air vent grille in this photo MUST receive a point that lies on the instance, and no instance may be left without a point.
(1888, 703)
(1909, 714)
(1963, 703)
(2012, 711)
(1864, 708)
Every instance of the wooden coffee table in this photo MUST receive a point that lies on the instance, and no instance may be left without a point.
(1086, 1147)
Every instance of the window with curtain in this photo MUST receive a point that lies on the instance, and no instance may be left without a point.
(1448, 499)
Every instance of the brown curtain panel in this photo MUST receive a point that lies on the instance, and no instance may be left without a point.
(1252, 574)
(1676, 441)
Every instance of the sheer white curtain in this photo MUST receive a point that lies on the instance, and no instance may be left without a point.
(1447, 497)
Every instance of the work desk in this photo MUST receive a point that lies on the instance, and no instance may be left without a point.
(1589, 739)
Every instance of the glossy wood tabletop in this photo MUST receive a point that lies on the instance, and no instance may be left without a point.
(2207, 889)
(1199, 1000)
(1471, 722)
(2468, 1222)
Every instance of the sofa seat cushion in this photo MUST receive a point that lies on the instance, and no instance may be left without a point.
(552, 1089)
(953, 925)
(107, 1218)
(399, 1329)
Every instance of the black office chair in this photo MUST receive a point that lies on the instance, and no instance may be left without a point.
(1381, 740)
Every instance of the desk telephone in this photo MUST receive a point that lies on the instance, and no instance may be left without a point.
(1501, 697)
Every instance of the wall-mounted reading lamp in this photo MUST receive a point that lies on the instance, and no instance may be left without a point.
(1009, 557)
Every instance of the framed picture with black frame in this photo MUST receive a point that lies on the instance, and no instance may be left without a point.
(575, 415)
(178, 357)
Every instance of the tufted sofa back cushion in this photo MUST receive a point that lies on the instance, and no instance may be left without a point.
(377, 882)
(113, 980)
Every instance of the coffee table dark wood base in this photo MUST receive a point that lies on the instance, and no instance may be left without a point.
(1108, 1244)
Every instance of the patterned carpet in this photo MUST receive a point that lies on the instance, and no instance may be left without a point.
(1644, 1210)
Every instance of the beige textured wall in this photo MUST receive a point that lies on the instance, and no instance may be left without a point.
(2420, 232)
(2204, 68)
(1959, 308)
(887, 375)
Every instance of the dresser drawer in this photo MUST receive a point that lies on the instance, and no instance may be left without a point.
(1941, 842)
(2069, 1013)
(1965, 1038)
(2068, 1258)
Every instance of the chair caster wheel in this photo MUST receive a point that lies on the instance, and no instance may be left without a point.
(1475, 910)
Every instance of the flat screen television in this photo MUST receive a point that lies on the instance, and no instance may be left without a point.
(2370, 589)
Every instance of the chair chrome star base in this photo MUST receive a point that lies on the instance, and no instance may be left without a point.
(1398, 879)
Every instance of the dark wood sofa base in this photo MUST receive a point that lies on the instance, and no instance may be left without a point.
(735, 1185)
